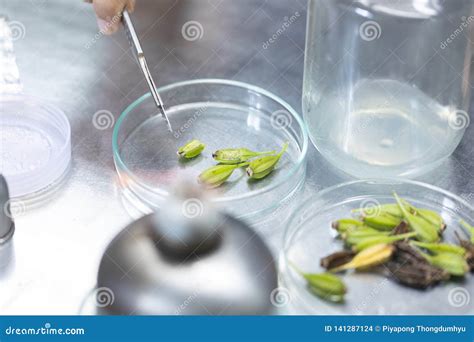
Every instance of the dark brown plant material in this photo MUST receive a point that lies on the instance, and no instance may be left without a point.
(405, 253)
(402, 228)
(337, 259)
(410, 268)
(469, 247)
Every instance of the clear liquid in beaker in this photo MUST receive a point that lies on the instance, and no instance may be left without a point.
(384, 123)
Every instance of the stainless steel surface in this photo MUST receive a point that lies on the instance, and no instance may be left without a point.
(7, 227)
(227, 271)
(62, 57)
(140, 55)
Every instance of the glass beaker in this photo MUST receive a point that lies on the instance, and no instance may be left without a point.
(387, 83)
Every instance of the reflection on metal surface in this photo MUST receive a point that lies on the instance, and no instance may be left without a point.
(7, 227)
(187, 258)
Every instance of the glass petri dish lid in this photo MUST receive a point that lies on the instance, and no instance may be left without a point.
(35, 145)
(309, 237)
(222, 114)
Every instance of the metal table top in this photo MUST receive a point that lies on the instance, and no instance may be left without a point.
(63, 58)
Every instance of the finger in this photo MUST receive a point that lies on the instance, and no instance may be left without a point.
(131, 5)
(109, 13)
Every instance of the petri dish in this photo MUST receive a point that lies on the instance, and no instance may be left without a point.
(222, 114)
(35, 145)
(309, 237)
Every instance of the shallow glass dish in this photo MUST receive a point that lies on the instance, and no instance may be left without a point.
(222, 114)
(309, 237)
(35, 146)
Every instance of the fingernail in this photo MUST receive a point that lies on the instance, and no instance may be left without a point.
(104, 26)
(107, 27)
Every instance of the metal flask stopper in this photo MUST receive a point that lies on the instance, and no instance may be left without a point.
(188, 259)
(7, 227)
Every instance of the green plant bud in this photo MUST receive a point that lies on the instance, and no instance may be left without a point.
(326, 286)
(440, 247)
(425, 231)
(263, 166)
(382, 221)
(217, 175)
(429, 215)
(343, 225)
(355, 236)
(236, 155)
(432, 217)
(375, 240)
(192, 149)
(454, 264)
(469, 228)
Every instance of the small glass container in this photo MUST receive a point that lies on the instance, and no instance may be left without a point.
(387, 83)
(35, 146)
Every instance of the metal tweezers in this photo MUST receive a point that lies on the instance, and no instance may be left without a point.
(138, 51)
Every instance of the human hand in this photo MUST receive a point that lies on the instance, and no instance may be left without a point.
(109, 13)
